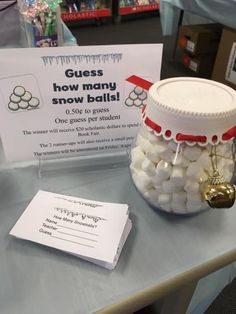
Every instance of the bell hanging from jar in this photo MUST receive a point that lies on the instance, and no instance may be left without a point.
(216, 190)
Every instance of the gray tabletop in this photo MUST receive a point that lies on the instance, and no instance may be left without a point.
(160, 247)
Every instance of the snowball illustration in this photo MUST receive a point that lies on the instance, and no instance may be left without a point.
(13, 106)
(133, 96)
(129, 102)
(136, 98)
(23, 104)
(15, 98)
(27, 96)
(34, 102)
(138, 90)
(22, 99)
(19, 91)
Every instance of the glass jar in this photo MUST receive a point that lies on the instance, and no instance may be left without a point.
(182, 161)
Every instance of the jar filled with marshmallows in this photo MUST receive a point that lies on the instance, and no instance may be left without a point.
(183, 158)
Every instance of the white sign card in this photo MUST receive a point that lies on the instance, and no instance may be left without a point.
(95, 231)
(63, 101)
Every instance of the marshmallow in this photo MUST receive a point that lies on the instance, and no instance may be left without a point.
(179, 197)
(140, 140)
(153, 138)
(204, 159)
(228, 176)
(148, 167)
(158, 188)
(180, 160)
(193, 171)
(170, 187)
(146, 145)
(192, 153)
(208, 148)
(133, 169)
(164, 198)
(158, 148)
(221, 165)
(142, 181)
(203, 176)
(167, 156)
(177, 176)
(137, 157)
(230, 165)
(191, 186)
(153, 156)
(195, 199)
(169, 175)
(179, 208)
(157, 180)
(172, 145)
(192, 208)
(152, 195)
(221, 149)
(161, 150)
(166, 207)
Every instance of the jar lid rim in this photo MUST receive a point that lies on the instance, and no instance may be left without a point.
(193, 97)
(190, 114)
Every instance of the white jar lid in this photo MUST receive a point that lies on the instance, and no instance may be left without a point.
(191, 109)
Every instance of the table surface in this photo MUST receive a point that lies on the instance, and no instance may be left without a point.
(161, 249)
(219, 11)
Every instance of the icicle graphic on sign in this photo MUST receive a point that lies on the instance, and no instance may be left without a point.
(76, 59)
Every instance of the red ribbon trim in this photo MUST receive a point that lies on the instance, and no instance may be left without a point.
(152, 125)
(229, 134)
(179, 136)
(191, 138)
(136, 80)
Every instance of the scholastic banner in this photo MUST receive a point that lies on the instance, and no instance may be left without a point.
(67, 101)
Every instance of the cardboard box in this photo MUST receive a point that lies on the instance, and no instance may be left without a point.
(202, 65)
(225, 65)
(199, 39)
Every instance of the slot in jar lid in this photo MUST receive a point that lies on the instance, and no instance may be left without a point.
(191, 109)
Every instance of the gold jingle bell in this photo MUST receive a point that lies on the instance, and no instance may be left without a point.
(217, 192)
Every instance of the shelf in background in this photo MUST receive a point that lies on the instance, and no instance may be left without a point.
(139, 8)
(83, 15)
